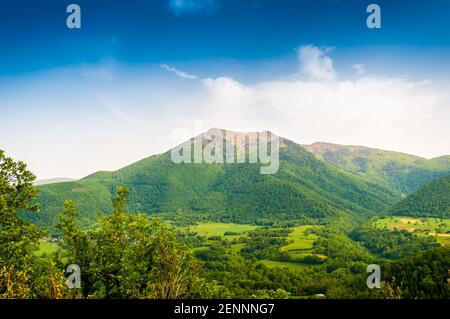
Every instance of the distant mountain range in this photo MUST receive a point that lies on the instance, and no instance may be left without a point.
(318, 183)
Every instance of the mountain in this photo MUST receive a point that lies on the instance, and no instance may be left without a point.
(402, 173)
(430, 200)
(52, 181)
(303, 189)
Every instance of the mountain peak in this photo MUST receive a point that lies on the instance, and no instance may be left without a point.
(229, 133)
(237, 139)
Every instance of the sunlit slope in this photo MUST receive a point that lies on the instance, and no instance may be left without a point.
(430, 200)
(401, 172)
(303, 189)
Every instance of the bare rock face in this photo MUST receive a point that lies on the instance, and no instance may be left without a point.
(238, 140)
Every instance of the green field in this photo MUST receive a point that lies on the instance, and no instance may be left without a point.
(300, 245)
(219, 229)
(301, 242)
(47, 248)
(436, 227)
(290, 265)
(236, 248)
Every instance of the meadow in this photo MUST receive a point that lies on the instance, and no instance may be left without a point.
(46, 248)
(439, 228)
(228, 231)
(300, 241)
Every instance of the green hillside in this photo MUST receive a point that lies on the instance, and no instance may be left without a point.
(401, 172)
(430, 200)
(304, 189)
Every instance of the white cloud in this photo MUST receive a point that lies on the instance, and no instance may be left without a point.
(369, 110)
(178, 73)
(137, 112)
(188, 7)
(388, 113)
(360, 69)
(315, 64)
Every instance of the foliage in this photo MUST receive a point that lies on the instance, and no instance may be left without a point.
(430, 200)
(392, 244)
(439, 228)
(387, 291)
(17, 237)
(424, 275)
(266, 243)
(128, 255)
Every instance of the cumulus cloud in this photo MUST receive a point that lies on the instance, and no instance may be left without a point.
(376, 111)
(383, 112)
(178, 73)
(315, 64)
(189, 7)
(393, 113)
(387, 113)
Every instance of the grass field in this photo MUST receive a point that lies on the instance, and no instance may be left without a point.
(290, 265)
(300, 241)
(436, 227)
(273, 264)
(219, 229)
(236, 248)
(300, 246)
(46, 247)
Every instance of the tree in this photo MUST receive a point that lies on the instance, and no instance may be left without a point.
(387, 291)
(17, 237)
(128, 255)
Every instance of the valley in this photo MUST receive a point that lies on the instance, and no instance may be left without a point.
(232, 255)
(308, 231)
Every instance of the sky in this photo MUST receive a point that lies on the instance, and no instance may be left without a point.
(75, 101)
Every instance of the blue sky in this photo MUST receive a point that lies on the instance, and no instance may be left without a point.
(138, 70)
(33, 35)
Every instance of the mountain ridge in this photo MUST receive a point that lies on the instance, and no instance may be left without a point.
(398, 171)
(430, 200)
(304, 189)
(53, 181)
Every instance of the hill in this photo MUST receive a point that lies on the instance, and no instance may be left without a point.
(304, 189)
(52, 181)
(402, 173)
(430, 200)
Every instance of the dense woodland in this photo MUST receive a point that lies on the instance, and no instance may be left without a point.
(392, 244)
(430, 200)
